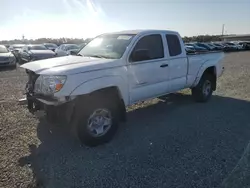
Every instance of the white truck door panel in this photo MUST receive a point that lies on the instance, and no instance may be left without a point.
(148, 78)
(178, 73)
(178, 63)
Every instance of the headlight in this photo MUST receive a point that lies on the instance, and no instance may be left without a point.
(49, 84)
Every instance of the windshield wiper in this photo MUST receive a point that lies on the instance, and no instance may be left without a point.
(79, 54)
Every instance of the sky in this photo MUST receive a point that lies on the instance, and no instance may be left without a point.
(88, 18)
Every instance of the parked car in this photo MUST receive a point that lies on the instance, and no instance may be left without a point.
(238, 44)
(205, 45)
(92, 90)
(15, 49)
(190, 49)
(228, 48)
(218, 46)
(213, 47)
(6, 57)
(67, 49)
(50, 46)
(245, 44)
(197, 48)
(35, 52)
(231, 46)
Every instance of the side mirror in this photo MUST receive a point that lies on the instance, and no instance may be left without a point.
(140, 55)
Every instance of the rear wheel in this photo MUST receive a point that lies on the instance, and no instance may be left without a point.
(98, 122)
(203, 91)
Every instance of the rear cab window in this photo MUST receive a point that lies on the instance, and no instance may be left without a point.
(174, 45)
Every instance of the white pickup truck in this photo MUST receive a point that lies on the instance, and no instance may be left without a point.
(90, 91)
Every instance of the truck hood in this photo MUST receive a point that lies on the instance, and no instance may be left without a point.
(70, 65)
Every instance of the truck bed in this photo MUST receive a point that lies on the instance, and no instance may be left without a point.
(196, 61)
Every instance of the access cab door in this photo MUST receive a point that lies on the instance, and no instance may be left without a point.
(178, 63)
(148, 68)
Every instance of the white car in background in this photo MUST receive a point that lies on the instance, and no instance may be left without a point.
(238, 45)
(6, 57)
(50, 46)
(66, 49)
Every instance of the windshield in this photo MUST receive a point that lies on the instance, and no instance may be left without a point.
(3, 49)
(38, 47)
(210, 45)
(111, 46)
(217, 45)
(72, 47)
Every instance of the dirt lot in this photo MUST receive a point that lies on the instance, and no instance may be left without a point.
(171, 142)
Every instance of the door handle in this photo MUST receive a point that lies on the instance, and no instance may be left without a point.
(164, 65)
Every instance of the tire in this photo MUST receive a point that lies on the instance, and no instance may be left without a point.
(199, 93)
(97, 105)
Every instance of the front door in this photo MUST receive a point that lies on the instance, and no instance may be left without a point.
(149, 77)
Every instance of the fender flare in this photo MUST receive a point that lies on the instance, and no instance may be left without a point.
(201, 71)
(103, 82)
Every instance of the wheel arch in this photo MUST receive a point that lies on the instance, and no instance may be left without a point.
(108, 83)
(211, 70)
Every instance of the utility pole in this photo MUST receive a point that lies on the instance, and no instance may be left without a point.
(223, 27)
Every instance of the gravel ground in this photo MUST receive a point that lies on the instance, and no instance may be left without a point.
(167, 142)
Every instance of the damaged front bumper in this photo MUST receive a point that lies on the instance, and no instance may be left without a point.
(37, 101)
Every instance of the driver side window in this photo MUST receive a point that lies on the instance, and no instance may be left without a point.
(147, 48)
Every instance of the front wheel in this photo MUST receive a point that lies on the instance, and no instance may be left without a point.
(98, 122)
(203, 91)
